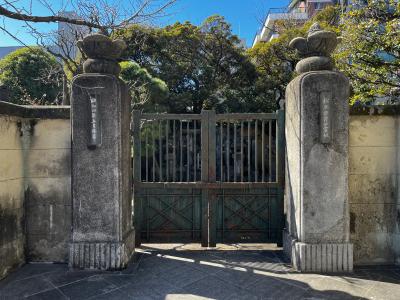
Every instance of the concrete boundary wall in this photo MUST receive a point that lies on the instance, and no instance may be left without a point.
(35, 199)
(374, 166)
(35, 175)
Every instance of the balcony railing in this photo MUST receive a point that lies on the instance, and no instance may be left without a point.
(283, 13)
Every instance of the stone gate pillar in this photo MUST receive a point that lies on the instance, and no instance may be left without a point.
(102, 233)
(317, 117)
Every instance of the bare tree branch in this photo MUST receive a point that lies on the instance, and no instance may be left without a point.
(46, 19)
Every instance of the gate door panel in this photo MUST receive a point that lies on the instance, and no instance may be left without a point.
(248, 216)
(171, 215)
(207, 177)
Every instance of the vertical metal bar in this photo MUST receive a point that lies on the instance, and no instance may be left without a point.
(223, 217)
(280, 148)
(204, 177)
(147, 154)
(174, 149)
(276, 151)
(166, 150)
(153, 135)
(137, 206)
(234, 152)
(263, 151)
(227, 149)
(241, 151)
(193, 215)
(137, 173)
(221, 157)
(269, 151)
(256, 151)
(147, 219)
(187, 152)
(212, 196)
(194, 149)
(248, 151)
(181, 154)
(160, 149)
(281, 170)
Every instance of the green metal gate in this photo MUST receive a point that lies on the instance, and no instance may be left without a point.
(208, 177)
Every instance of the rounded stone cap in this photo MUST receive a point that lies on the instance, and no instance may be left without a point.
(101, 46)
(316, 49)
(102, 66)
(314, 63)
(102, 53)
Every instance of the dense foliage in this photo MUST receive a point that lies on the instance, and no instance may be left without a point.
(275, 60)
(145, 90)
(32, 76)
(203, 66)
(370, 51)
(185, 68)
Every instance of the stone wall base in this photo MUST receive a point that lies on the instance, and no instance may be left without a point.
(320, 258)
(101, 256)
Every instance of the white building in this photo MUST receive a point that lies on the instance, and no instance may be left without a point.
(298, 12)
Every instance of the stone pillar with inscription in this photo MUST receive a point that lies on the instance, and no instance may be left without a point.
(316, 237)
(102, 233)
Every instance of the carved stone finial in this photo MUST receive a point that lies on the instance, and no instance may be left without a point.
(316, 49)
(102, 53)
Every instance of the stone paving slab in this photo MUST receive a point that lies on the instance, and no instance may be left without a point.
(178, 273)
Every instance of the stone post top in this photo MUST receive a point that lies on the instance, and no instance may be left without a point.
(102, 53)
(315, 49)
(101, 46)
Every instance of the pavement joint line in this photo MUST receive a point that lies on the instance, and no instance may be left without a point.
(42, 291)
(36, 275)
(56, 288)
(75, 281)
(105, 293)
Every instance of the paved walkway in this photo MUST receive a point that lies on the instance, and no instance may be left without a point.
(176, 274)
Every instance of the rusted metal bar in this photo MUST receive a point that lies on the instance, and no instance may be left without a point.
(234, 153)
(256, 151)
(153, 136)
(194, 149)
(248, 151)
(270, 151)
(147, 153)
(174, 149)
(181, 153)
(221, 157)
(187, 152)
(160, 150)
(241, 151)
(166, 150)
(227, 149)
(263, 151)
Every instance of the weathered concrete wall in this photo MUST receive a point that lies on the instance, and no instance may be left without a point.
(374, 188)
(35, 200)
(12, 238)
(48, 190)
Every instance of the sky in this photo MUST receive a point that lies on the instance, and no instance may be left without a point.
(244, 15)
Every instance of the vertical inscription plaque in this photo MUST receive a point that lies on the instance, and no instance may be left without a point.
(326, 117)
(94, 122)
